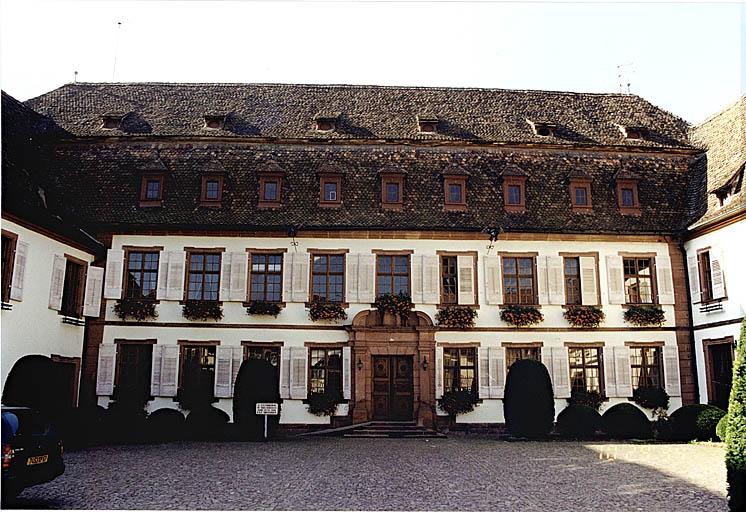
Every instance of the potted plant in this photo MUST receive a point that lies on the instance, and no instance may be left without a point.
(321, 309)
(644, 315)
(456, 316)
(398, 305)
(521, 316)
(139, 309)
(202, 310)
(588, 317)
(323, 404)
(592, 399)
(261, 307)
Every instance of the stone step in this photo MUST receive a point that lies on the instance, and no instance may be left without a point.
(403, 435)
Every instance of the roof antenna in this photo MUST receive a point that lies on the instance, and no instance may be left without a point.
(75, 77)
(116, 50)
(622, 75)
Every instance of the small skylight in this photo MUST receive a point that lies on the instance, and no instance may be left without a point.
(111, 121)
(326, 121)
(427, 123)
(214, 121)
(542, 128)
(632, 132)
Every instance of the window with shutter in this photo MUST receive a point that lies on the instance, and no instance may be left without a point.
(695, 272)
(155, 370)
(645, 363)
(197, 373)
(497, 372)
(328, 277)
(9, 241)
(519, 280)
(586, 369)
(392, 274)
(73, 289)
(615, 277)
(671, 370)
(223, 371)
(466, 291)
(105, 370)
(589, 280)
(325, 370)
(638, 280)
(266, 277)
(115, 274)
(493, 281)
(203, 281)
(459, 369)
(134, 370)
(93, 289)
(438, 372)
(717, 274)
(169, 369)
(19, 271)
(298, 373)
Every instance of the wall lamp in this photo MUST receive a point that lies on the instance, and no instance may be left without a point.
(424, 363)
(359, 364)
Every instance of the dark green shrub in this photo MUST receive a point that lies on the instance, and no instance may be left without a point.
(206, 423)
(626, 421)
(257, 381)
(124, 422)
(735, 438)
(687, 426)
(578, 421)
(165, 425)
(81, 426)
(592, 399)
(653, 397)
(458, 402)
(32, 382)
(722, 428)
(529, 400)
(323, 404)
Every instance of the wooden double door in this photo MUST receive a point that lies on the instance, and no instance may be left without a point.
(392, 388)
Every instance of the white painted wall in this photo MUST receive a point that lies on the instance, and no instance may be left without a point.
(31, 327)
(296, 314)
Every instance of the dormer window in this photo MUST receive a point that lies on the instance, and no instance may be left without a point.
(632, 132)
(627, 197)
(392, 190)
(214, 121)
(541, 128)
(326, 121)
(427, 123)
(580, 194)
(111, 122)
(212, 190)
(270, 186)
(455, 192)
(151, 190)
(731, 187)
(514, 193)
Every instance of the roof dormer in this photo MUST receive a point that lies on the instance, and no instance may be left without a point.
(111, 121)
(427, 123)
(632, 132)
(542, 128)
(326, 121)
(214, 120)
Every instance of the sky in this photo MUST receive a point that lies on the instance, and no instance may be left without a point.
(683, 57)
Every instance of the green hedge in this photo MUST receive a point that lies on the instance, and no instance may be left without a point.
(735, 438)
(693, 422)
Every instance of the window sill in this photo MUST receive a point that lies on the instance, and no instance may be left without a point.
(210, 204)
(151, 204)
(582, 209)
(515, 209)
(71, 320)
(6, 306)
(566, 306)
(282, 305)
(454, 207)
(344, 305)
(470, 306)
(392, 206)
(331, 205)
(218, 302)
(635, 212)
(269, 205)
(641, 304)
(503, 306)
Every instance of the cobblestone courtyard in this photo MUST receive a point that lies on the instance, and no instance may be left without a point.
(370, 474)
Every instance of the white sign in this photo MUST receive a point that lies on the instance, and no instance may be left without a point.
(268, 409)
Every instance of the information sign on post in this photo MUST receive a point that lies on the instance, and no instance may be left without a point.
(267, 409)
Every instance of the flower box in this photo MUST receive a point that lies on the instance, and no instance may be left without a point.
(398, 305)
(456, 316)
(260, 307)
(202, 310)
(139, 309)
(521, 316)
(642, 316)
(321, 309)
(589, 317)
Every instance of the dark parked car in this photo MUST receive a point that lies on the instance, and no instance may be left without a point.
(32, 450)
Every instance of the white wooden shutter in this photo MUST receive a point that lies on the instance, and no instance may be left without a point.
(366, 272)
(622, 371)
(560, 372)
(351, 275)
(466, 292)
(107, 356)
(438, 372)
(223, 371)
(161, 291)
(346, 373)
(175, 275)
(239, 268)
(155, 371)
(169, 370)
(693, 267)
(236, 366)
(296, 277)
(493, 283)
(284, 372)
(483, 354)
(19, 271)
(430, 279)
(615, 274)
(556, 279)
(541, 279)
(588, 281)
(664, 279)
(298, 373)
(417, 281)
(58, 282)
(94, 282)
(716, 273)
(226, 262)
(497, 372)
(610, 372)
(114, 274)
(671, 369)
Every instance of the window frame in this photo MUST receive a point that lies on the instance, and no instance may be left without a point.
(204, 200)
(519, 181)
(145, 202)
(125, 278)
(443, 276)
(653, 277)
(704, 273)
(120, 343)
(635, 209)
(658, 358)
(709, 370)
(8, 266)
(451, 180)
(576, 184)
(328, 253)
(458, 367)
(393, 254)
(192, 251)
(267, 253)
(79, 290)
(534, 275)
(263, 180)
(508, 346)
(585, 366)
(326, 349)
(183, 345)
(579, 281)
(388, 179)
(329, 179)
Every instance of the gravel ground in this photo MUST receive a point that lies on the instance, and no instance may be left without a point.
(375, 474)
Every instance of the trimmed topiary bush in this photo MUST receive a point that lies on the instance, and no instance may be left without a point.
(695, 421)
(735, 438)
(165, 425)
(578, 421)
(707, 422)
(626, 421)
(257, 381)
(653, 397)
(206, 423)
(124, 422)
(722, 428)
(529, 400)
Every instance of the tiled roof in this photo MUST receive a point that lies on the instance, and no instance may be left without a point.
(723, 136)
(277, 111)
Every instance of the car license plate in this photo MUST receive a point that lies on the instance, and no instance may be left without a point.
(39, 459)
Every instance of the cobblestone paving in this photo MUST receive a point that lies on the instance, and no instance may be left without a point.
(374, 474)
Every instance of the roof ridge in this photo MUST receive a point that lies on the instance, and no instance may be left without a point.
(722, 111)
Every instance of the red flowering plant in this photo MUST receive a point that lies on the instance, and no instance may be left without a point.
(521, 316)
(644, 315)
(456, 316)
(399, 304)
(202, 310)
(139, 309)
(589, 317)
(321, 309)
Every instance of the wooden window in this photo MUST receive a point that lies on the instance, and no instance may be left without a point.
(513, 354)
(9, 241)
(133, 372)
(585, 369)
(580, 195)
(74, 288)
(197, 373)
(459, 369)
(266, 277)
(719, 355)
(455, 193)
(514, 193)
(212, 190)
(203, 279)
(142, 275)
(705, 275)
(326, 370)
(328, 277)
(331, 190)
(627, 197)
(151, 190)
(448, 280)
(392, 191)
(269, 353)
(270, 191)
(638, 280)
(646, 367)
(392, 274)
(573, 294)
(519, 280)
